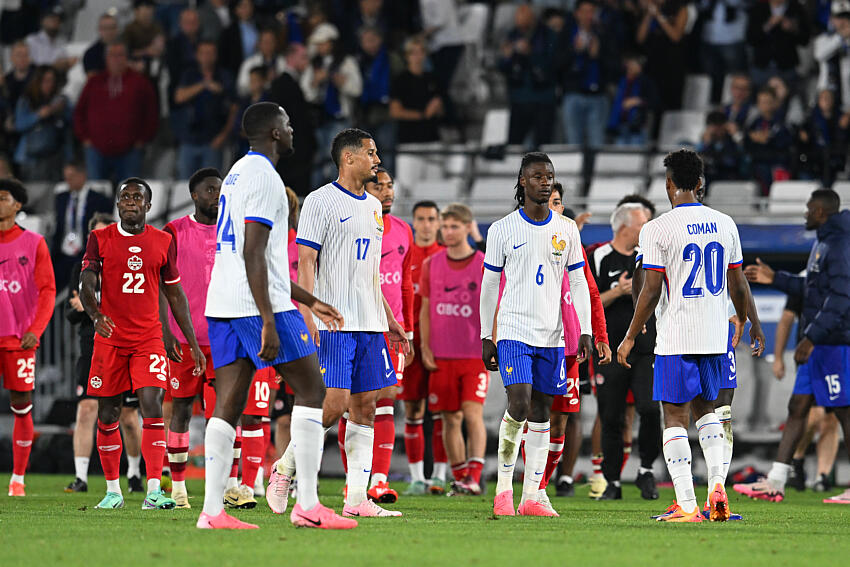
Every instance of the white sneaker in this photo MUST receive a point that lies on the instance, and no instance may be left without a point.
(543, 498)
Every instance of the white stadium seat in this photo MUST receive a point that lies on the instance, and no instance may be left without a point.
(697, 92)
(495, 129)
(444, 191)
(616, 163)
(604, 193)
(681, 128)
(493, 198)
(566, 163)
(789, 197)
(733, 197)
(843, 190)
(179, 197)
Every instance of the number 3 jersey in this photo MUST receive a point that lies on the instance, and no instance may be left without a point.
(130, 268)
(693, 246)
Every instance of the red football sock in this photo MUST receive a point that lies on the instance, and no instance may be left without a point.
(437, 447)
(109, 448)
(178, 454)
(414, 441)
(153, 446)
(382, 446)
(474, 468)
(459, 471)
(237, 453)
(343, 422)
(22, 433)
(627, 452)
(253, 444)
(556, 449)
(596, 461)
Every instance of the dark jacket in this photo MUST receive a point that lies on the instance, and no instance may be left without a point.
(826, 286)
(532, 77)
(95, 203)
(777, 45)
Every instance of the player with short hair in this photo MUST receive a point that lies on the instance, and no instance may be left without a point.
(27, 295)
(339, 254)
(534, 248)
(414, 389)
(194, 239)
(458, 381)
(131, 259)
(253, 323)
(691, 254)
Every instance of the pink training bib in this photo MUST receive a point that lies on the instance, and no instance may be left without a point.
(454, 296)
(394, 247)
(195, 258)
(18, 293)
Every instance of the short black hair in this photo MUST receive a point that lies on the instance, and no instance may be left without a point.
(828, 199)
(716, 118)
(528, 159)
(258, 118)
(639, 199)
(200, 175)
(136, 181)
(260, 70)
(350, 138)
(76, 164)
(685, 168)
(559, 188)
(382, 169)
(16, 189)
(425, 205)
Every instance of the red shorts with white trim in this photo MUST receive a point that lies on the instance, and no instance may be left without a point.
(457, 380)
(17, 369)
(183, 383)
(397, 360)
(116, 369)
(259, 395)
(415, 384)
(571, 401)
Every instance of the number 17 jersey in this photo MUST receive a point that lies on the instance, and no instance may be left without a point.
(693, 246)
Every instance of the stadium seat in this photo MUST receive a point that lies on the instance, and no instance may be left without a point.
(697, 93)
(473, 20)
(102, 186)
(733, 197)
(179, 198)
(567, 163)
(442, 191)
(495, 129)
(33, 223)
(617, 163)
(656, 165)
(493, 198)
(681, 128)
(604, 193)
(843, 190)
(413, 167)
(789, 197)
(85, 24)
(508, 165)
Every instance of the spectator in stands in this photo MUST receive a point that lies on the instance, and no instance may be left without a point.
(366, 14)
(660, 35)
(528, 59)
(589, 66)
(445, 45)
(720, 153)
(115, 117)
(205, 112)
(723, 46)
(768, 142)
(46, 46)
(555, 19)
(74, 208)
(239, 40)
(5, 168)
(180, 53)
(140, 33)
(740, 110)
(374, 112)
(267, 56)
(286, 91)
(775, 30)
(257, 80)
(415, 102)
(789, 108)
(19, 75)
(215, 18)
(41, 118)
(633, 102)
(94, 59)
(832, 52)
(822, 140)
(332, 84)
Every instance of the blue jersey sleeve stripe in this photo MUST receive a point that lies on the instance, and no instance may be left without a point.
(492, 267)
(653, 267)
(575, 266)
(309, 243)
(735, 264)
(260, 220)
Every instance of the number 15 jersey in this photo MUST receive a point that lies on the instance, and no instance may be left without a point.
(130, 267)
(693, 246)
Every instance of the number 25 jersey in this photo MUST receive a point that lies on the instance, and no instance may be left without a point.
(693, 246)
(130, 268)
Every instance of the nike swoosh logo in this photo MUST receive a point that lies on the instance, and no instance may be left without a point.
(385, 253)
(835, 397)
(367, 470)
(452, 288)
(345, 219)
(612, 274)
(519, 245)
(561, 385)
(4, 261)
(314, 522)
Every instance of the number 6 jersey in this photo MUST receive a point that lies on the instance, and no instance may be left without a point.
(693, 246)
(130, 268)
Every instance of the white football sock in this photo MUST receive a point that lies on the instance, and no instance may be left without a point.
(677, 453)
(113, 486)
(134, 465)
(724, 414)
(439, 471)
(536, 453)
(417, 471)
(778, 475)
(307, 435)
(510, 433)
(178, 486)
(358, 448)
(286, 464)
(81, 468)
(218, 446)
(153, 484)
(711, 439)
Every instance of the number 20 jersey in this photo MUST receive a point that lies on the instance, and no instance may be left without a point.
(693, 246)
(130, 267)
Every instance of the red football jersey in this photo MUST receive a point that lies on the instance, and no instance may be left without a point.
(417, 257)
(130, 268)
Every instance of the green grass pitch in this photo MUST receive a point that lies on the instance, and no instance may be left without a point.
(49, 527)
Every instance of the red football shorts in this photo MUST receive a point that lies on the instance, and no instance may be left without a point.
(116, 369)
(571, 401)
(260, 392)
(415, 384)
(455, 381)
(183, 383)
(209, 399)
(17, 369)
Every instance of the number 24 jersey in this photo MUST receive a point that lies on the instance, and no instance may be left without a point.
(130, 267)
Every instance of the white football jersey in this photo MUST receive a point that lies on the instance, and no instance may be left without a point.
(252, 191)
(533, 257)
(693, 245)
(347, 231)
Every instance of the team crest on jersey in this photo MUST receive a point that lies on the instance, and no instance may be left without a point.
(304, 337)
(379, 220)
(472, 286)
(134, 263)
(134, 249)
(322, 370)
(558, 245)
(509, 370)
(175, 384)
(23, 260)
(96, 382)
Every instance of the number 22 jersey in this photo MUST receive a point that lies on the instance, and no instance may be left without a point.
(693, 246)
(130, 268)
